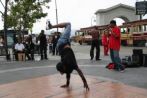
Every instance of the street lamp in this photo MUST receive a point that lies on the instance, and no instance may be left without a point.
(56, 13)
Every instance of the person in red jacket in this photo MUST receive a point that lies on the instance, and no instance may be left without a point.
(114, 45)
(105, 41)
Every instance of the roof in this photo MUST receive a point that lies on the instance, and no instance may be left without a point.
(115, 7)
(136, 23)
(94, 27)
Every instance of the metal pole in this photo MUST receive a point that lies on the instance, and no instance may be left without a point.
(140, 27)
(91, 21)
(56, 13)
(5, 31)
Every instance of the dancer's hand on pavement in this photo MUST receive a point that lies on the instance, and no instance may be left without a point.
(86, 86)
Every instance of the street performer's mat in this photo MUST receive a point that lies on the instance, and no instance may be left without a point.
(49, 87)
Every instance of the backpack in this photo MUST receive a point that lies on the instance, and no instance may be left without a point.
(111, 66)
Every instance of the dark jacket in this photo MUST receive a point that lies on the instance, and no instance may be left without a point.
(68, 60)
(43, 40)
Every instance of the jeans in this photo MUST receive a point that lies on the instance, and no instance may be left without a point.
(65, 38)
(106, 50)
(43, 52)
(95, 44)
(114, 54)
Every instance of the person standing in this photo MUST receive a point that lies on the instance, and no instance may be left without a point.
(95, 44)
(54, 41)
(1, 41)
(43, 45)
(105, 41)
(114, 45)
(50, 44)
(1, 45)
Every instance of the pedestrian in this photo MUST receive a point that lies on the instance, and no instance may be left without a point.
(1, 41)
(68, 61)
(43, 45)
(114, 45)
(95, 44)
(50, 44)
(54, 41)
(105, 42)
(26, 50)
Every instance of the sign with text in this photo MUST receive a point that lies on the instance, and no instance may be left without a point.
(141, 8)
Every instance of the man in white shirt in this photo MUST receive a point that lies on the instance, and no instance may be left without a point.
(19, 48)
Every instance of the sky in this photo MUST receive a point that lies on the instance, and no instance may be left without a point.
(78, 12)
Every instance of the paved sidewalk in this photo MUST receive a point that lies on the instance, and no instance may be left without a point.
(35, 79)
(49, 87)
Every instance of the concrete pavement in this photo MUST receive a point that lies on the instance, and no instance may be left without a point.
(13, 72)
(49, 87)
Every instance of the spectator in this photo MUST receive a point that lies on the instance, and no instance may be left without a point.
(19, 48)
(105, 42)
(29, 48)
(54, 41)
(95, 44)
(43, 45)
(50, 44)
(1, 41)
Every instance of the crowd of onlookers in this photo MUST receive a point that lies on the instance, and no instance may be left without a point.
(32, 45)
(29, 45)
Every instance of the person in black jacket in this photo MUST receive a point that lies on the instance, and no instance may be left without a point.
(31, 47)
(68, 64)
(43, 45)
(68, 61)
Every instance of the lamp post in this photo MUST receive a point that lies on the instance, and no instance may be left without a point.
(56, 13)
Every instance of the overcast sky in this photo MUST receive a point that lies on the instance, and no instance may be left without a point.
(78, 12)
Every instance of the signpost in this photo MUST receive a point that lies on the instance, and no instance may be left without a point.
(141, 8)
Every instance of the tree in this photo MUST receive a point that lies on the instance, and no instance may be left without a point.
(23, 13)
